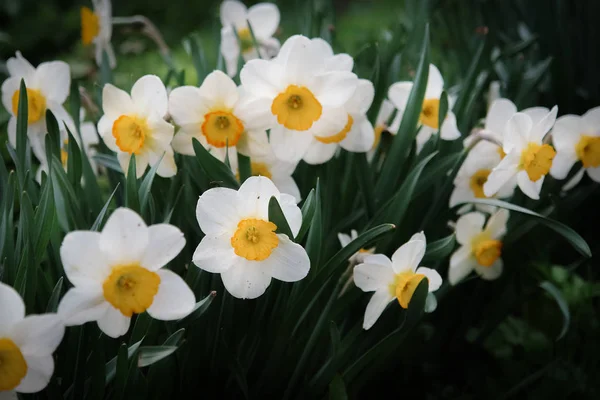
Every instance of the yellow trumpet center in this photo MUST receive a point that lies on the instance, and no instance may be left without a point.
(485, 249)
(222, 128)
(254, 239)
(430, 113)
(245, 40)
(378, 130)
(36, 105)
(338, 137)
(404, 286)
(13, 366)
(90, 25)
(130, 133)
(64, 155)
(478, 179)
(588, 151)
(296, 108)
(536, 160)
(131, 288)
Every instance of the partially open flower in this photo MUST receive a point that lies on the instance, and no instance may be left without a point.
(96, 28)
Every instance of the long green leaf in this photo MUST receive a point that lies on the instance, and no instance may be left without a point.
(55, 296)
(308, 211)
(199, 309)
(44, 220)
(146, 185)
(215, 169)
(132, 196)
(100, 218)
(562, 305)
(111, 366)
(277, 217)
(152, 354)
(22, 123)
(440, 249)
(314, 241)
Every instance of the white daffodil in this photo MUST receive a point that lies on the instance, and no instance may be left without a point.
(235, 17)
(358, 257)
(382, 124)
(527, 157)
(480, 247)
(577, 138)
(96, 28)
(298, 97)
(48, 87)
(397, 278)
(135, 125)
(26, 346)
(269, 166)
(217, 114)
(399, 92)
(241, 243)
(118, 272)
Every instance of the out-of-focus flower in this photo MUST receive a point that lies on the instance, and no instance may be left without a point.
(96, 28)
(358, 257)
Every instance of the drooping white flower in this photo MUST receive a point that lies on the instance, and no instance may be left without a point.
(577, 138)
(399, 92)
(96, 28)
(298, 97)
(235, 17)
(358, 257)
(48, 87)
(119, 272)
(397, 278)
(241, 243)
(26, 345)
(527, 157)
(135, 125)
(481, 246)
(217, 114)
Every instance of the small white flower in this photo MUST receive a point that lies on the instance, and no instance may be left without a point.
(429, 117)
(135, 125)
(217, 114)
(118, 272)
(382, 123)
(26, 346)
(480, 247)
(241, 243)
(397, 278)
(48, 87)
(96, 28)
(577, 138)
(358, 257)
(527, 157)
(298, 97)
(235, 17)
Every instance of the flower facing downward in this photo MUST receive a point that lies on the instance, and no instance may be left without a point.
(481, 247)
(397, 278)
(358, 257)
(118, 273)
(242, 244)
(577, 138)
(135, 125)
(527, 157)
(96, 27)
(26, 345)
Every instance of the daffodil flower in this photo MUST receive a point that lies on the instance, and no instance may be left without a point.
(218, 114)
(481, 246)
(527, 157)
(397, 278)
(26, 346)
(298, 97)
(119, 272)
(359, 256)
(96, 28)
(242, 244)
(577, 138)
(235, 17)
(382, 124)
(135, 125)
(399, 92)
(48, 87)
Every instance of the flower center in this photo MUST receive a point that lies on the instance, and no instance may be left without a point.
(90, 25)
(296, 108)
(245, 40)
(404, 286)
(338, 137)
(536, 160)
(365, 251)
(254, 239)
(485, 249)
(222, 128)
(378, 132)
(64, 155)
(130, 133)
(501, 152)
(430, 113)
(260, 169)
(131, 288)
(588, 151)
(478, 179)
(36, 105)
(13, 366)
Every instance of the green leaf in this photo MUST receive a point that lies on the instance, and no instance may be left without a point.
(440, 249)
(199, 309)
(198, 58)
(337, 389)
(467, 86)
(215, 169)
(67, 200)
(531, 79)
(74, 163)
(55, 296)
(364, 172)
(566, 232)
(109, 161)
(175, 338)
(105, 70)
(44, 219)
(443, 111)
(111, 366)
(308, 211)
(562, 305)
(254, 41)
(314, 241)
(244, 167)
(146, 186)
(132, 197)
(52, 140)
(98, 222)
(277, 217)
(152, 354)
(22, 123)
(75, 106)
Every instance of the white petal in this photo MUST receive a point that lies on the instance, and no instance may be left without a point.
(256, 193)
(503, 173)
(566, 133)
(498, 115)
(594, 173)
(233, 13)
(13, 308)
(562, 163)
(492, 272)
(361, 99)
(186, 106)
(360, 138)
(288, 262)
(286, 184)
(219, 89)
(334, 88)
(38, 335)
(116, 102)
(344, 239)
(291, 211)
(246, 279)
(496, 225)
(319, 153)
(591, 120)
(541, 128)
(571, 183)
(398, 94)
(435, 83)
(385, 112)
(468, 226)
(460, 195)
(216, 211)
(174, 299)
(85, 264)
(9, 395)
(339, 62)
(449, 129)
(167, 168)
(408, 256)
(517, 132)
(150, 95)
(255, 113)
(332, 121)
(264, 19)
(323, 47)
(215, 254)
(54, 80)
(289, 145)
(164, 244)
(39, 372)
(433, 277)
(379, 259)
(371, 277)
(19, 67)
(113, 323)
(124, 237)
(9, 87)
(461, 264)
(430, 303)
(81, 305)
(529, 187)
(301, 61)
(376, 306)
(262, 78)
